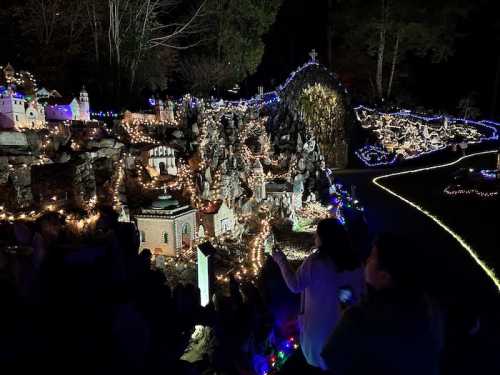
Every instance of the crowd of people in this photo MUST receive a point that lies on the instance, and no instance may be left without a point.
(93, 304)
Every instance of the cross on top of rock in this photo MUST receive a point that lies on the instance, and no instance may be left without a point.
(314, 55)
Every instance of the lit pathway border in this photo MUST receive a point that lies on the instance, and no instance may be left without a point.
(460, 240)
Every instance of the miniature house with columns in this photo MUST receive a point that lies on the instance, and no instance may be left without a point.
(280, 198)
(162, 159)
(166, 228)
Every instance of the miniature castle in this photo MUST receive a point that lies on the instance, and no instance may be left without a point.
(30, 110)
(19, 111)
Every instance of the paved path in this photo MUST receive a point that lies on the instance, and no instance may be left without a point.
(446, 268)
(449, 272)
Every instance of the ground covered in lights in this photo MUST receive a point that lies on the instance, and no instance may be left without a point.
(403, 135)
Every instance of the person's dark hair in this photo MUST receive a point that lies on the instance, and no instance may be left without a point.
(145, 254)
(392, 256)
(336, 245)
(108, 218)
(53, 218)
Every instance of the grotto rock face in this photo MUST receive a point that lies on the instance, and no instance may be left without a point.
(18, 153)
(291, 128)
(71, 183)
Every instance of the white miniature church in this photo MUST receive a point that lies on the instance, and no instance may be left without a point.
(76, 109)
(18, 113)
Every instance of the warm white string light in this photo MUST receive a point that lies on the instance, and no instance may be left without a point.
(489, 271)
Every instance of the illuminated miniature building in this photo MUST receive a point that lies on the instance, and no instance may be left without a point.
(18, 113)
(166, 228)
(69, 109)
(216, 219)
(162, 159)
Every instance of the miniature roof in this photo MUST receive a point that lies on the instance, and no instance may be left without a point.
(9, 68)
(165, 202)
(212, 208)
(257, 165)
(173, 146)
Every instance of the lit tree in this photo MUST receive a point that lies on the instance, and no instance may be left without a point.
(323, 112)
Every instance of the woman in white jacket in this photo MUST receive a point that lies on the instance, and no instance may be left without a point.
(325, 279)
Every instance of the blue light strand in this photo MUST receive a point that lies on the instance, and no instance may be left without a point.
(489, 174)
(105, 114)
(275, 94)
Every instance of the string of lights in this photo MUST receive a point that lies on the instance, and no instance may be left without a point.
(473, 253)
(455, 191)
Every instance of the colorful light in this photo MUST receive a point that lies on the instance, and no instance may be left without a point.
(414, 144)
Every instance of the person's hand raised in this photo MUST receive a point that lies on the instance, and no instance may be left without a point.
(278, 255)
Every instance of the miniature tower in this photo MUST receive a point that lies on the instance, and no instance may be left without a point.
(160, 111)
(9, 73)
(84, 105)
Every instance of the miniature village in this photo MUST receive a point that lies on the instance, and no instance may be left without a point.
(403, 135)
(242, 176)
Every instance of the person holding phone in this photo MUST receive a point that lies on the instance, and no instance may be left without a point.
(325, 279)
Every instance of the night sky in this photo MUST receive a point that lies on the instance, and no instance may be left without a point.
(300, 26)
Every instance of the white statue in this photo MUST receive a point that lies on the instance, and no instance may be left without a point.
(301, 164)
(300, 144)
(206, 194)
(208, 175)
(298, 184)
(311, 198)
(170, 111)
(310, 145)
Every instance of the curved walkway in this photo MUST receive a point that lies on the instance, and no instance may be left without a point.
(472, 252)
(446, 270)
